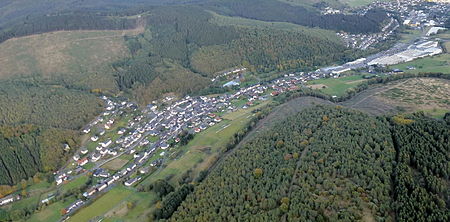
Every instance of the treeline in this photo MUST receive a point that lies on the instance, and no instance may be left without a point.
(322, 164)
(421, 176)
(276, 11)
(70, 21)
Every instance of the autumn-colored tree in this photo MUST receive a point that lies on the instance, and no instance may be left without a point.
(258, 172)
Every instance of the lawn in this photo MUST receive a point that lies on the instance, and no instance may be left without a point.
(338, 86)
(102, 205)
(78, 182)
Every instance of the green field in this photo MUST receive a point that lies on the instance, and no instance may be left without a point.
(102, 205)
(338, 86)
(78, 182)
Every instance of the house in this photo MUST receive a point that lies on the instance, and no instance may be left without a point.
(9, 199)
(83, 161)
(95, 157)
(132, 181)
(102, 187)
(58, 181)
(76, 157)
(66, 147)
(106, 143)
(94, 138)
(89, 192)
(84, 151)
(164, 146)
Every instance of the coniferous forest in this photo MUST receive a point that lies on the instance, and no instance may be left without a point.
(329, 164)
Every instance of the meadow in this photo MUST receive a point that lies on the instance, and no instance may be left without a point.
(336, 86)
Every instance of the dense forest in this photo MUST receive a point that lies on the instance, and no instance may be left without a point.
(36, 120)
(421, 178)
(28, 149)
(330, 164)
(29, 101)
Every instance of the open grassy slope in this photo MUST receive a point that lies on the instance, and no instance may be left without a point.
(81, 57)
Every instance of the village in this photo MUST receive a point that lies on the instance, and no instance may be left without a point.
(148, 135)
(189, 115)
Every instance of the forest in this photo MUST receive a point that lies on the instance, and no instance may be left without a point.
(328, 163)
(36, 120)
(28, 149)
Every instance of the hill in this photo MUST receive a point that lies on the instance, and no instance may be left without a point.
(329, 163)
(82, 58)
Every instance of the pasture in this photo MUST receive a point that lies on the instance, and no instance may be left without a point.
(336, 86)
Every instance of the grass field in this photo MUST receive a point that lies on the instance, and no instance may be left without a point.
(102, 205)
(357, 3)
(338, 86)
(78, 182)
(80, 57)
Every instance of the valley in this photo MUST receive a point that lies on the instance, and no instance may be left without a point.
(225, 110)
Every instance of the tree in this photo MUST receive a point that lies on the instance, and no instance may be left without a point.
(258, 172)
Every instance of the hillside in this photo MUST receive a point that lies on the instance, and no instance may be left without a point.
(36, 120)
(82, 58)
(328, 163)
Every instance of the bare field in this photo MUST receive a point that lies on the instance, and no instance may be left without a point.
(418, 94)
(64, 53)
